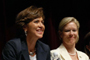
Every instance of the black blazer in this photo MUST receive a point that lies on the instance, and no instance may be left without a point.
(16, 49)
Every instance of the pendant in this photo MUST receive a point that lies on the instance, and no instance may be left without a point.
(31, 53)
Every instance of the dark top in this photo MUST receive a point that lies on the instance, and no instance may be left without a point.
(16, 49)
(86, 51)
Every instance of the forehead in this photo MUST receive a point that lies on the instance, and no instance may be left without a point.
(70, 25)
(40, 18)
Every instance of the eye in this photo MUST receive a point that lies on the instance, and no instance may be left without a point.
(36, 21)
(74, 30)
(67, 30)
(43, 22)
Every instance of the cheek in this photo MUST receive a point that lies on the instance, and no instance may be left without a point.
(64, 35)
(44, 27)
(76, 34)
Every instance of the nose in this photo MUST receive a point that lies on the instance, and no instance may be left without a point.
(71, 32)
(41, 24)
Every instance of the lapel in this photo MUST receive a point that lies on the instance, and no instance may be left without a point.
(80, 56)
(63, 53)
(25, 54)
(41, 52)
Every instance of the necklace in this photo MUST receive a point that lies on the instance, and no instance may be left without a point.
(32, 53)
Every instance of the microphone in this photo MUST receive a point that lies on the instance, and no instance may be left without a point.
(55, 56)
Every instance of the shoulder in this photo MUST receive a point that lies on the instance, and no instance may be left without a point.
(82, 54)
(11, 48)
(55, 52)
(14, 41)
(12, 44)
(43, 45)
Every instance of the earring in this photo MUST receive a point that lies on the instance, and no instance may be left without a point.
(26, 33)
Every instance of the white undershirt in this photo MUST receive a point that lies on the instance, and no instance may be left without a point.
(32, 57)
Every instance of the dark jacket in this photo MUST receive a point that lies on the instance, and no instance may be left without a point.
(16, 49)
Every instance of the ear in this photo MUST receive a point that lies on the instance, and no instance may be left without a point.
(60, 33)
(25, 28)
(87, 47)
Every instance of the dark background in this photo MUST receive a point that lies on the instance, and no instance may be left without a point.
(54, 10)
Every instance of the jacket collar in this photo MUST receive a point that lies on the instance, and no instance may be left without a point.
(64, 53)
(40, 51)
(25, 53)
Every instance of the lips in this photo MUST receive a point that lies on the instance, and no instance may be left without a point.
(71, 37)
(40, 31)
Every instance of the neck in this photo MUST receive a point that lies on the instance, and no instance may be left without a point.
(72, 54)
(31, 42)
(70, 49)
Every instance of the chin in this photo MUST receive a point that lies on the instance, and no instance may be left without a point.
(40, 36)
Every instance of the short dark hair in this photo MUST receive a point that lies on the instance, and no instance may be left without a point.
(87, 38)
(28, 14)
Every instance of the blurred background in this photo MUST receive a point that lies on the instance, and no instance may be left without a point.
(54, 11)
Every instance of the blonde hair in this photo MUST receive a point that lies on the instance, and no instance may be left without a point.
(67, 20)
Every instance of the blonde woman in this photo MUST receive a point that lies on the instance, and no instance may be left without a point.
(69, 35)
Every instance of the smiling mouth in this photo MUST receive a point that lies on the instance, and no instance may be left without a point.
(72, 38)
(40, 31)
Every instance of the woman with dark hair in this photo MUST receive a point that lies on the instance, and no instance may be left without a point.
(87, 44)
(27, 46)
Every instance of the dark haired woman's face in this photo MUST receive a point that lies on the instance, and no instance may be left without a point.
(35, 28)
(88, 47)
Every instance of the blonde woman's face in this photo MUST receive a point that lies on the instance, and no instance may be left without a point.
(70, 34)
